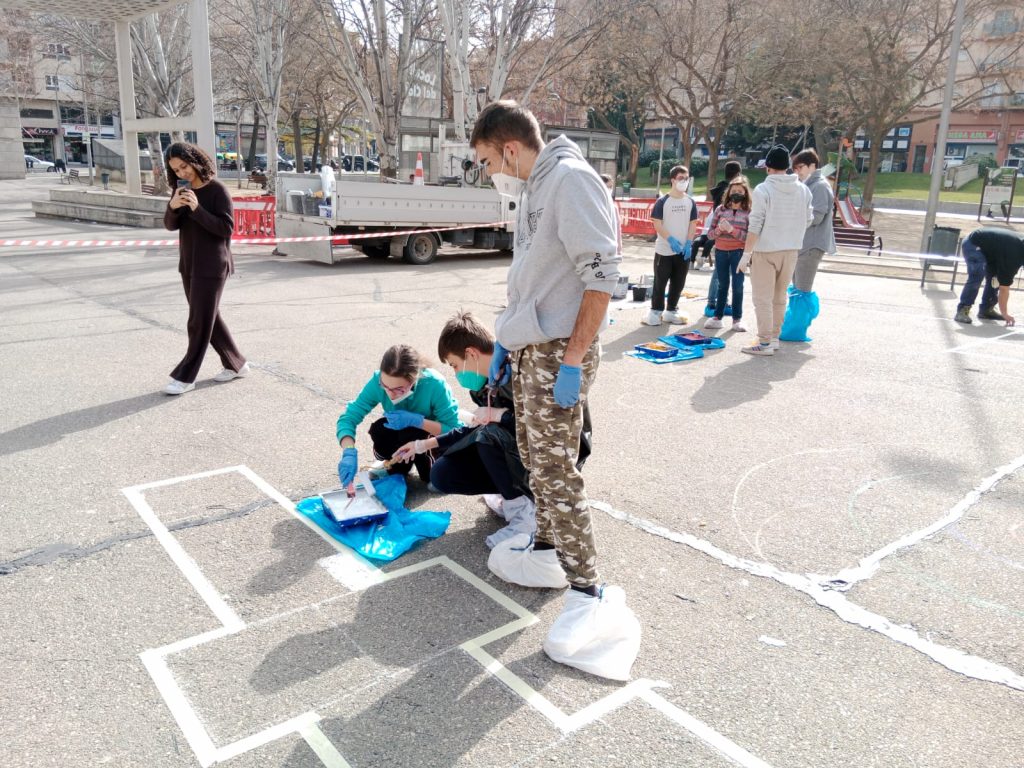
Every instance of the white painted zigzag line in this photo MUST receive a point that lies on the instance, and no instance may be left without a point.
(951, 658)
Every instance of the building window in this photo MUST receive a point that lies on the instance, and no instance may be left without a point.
(1003, 23)
(37, 114)
(72, 114)
(52, 83)
(57, 51)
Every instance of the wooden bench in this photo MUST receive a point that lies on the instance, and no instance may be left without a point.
(149, 189)
(73, 175)
(256, 178)
(857, 237)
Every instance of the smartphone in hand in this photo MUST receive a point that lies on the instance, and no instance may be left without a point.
(183, 184)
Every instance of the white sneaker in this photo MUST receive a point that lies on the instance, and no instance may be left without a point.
(712, 324)
(738, 326)
(774, 344)
(494, 502)
(653, 318)
(179, 387)
(599, 635)
(227, 374)
(515, 561)
(677, 318)
(763, 350)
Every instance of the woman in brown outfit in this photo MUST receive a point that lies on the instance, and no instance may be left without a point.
(201, 211)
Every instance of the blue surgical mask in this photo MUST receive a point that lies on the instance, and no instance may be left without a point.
(471, 380)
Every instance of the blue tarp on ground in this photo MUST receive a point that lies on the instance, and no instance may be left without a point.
(399, 532)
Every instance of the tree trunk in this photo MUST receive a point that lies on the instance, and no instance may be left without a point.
(251, 158)
(156, 155)
(315, 155)
(296, 142)
(634, 162)
(877, 137)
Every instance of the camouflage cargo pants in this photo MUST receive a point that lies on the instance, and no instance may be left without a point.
(549, 438)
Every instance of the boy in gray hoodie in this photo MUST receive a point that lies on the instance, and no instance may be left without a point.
(780, 212)
(565, 266)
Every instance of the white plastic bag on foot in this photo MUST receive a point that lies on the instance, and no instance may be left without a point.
(599, 635)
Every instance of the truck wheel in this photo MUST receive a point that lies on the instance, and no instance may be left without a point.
(376, 251)
(420, 249)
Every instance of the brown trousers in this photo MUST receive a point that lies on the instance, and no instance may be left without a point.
(205, 328)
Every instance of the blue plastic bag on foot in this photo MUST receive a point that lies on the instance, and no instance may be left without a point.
(803, 307)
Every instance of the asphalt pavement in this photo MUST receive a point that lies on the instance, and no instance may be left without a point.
(824, 548)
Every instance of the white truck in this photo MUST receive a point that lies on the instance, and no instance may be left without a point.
(366, 204)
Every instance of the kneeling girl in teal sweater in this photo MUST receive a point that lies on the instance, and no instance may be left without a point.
(417, 404)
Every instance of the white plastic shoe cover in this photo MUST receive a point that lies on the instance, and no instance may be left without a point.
(599, 635)
(521, 514)
(495, 503)
(515, 561)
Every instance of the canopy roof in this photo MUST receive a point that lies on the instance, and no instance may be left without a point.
(109, 10)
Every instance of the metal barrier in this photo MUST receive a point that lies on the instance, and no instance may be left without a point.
(635, 216)
(254, 216)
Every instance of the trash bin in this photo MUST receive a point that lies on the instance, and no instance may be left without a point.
(295, 200)
(944, 241)
(626, 187)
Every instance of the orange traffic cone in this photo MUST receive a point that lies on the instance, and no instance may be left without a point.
(418, 177)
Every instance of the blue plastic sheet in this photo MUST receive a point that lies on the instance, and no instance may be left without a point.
(802, 309)
(713, 342)
(399, 532)
(689, 353)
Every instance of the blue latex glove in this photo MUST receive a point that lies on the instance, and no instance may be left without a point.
(500, 371)
(404, 419)
(688, 250)
(348, 466)
(567, 385)
(675, 245)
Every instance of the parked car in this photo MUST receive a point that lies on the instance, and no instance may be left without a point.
(950, 161)
(32, 162)
(260, 162)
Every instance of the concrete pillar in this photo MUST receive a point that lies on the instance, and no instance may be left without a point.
(202, 77)
(12, 152)
(126, 91)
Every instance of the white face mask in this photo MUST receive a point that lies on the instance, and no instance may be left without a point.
(681, 185)
(400, 398)
(507, 184)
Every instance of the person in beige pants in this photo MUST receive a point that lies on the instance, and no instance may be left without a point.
(780, 212)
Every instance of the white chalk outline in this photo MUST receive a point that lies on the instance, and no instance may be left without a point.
(357, 573)
(828, 596)
(966, 349)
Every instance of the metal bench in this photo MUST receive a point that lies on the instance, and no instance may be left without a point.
(256, 178)
(73, 175)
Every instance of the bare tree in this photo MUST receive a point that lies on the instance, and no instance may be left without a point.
(374, 42)
(904, 54)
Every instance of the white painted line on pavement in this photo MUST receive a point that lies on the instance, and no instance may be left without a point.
(322, 746)
(869, 565)
(951, 658)
(981, 342)
(203, 587)
(180, 707)
(705, 733)
(273, 733)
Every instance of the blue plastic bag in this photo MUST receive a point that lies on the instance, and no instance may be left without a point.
(802, 309)
(399, 532)
(689, 353)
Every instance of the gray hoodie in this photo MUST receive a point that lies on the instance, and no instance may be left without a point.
(565, 245)
(820, 233)
(780, 210)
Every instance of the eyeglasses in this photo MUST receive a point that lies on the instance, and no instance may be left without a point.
(396, 390)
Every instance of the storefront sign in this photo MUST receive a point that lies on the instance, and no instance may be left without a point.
(981, 136)
(33, 133)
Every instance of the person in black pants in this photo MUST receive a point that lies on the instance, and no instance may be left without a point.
(674, 217)
(200, 210)
(483, 458)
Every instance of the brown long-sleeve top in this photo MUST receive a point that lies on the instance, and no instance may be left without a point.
(205, 233)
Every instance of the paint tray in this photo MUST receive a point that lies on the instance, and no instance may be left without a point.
(692, 338)
(655, 349)
(365, 507)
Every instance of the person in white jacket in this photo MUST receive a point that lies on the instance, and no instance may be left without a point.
(780, 212)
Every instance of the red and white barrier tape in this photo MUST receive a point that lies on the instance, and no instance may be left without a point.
(234, 241)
